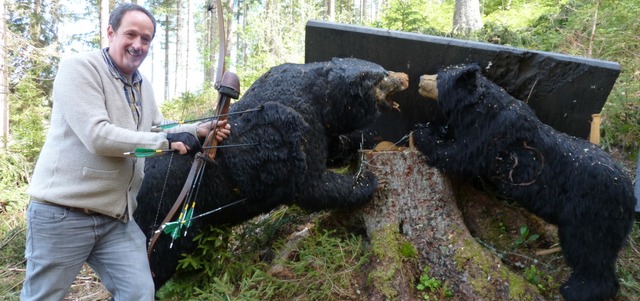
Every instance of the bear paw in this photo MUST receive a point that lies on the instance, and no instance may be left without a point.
(596, 289)
(366, 184)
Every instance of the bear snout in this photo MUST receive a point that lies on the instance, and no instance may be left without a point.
(428, 86)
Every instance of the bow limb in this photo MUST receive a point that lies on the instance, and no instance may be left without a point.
(222, 47)
(227, 84)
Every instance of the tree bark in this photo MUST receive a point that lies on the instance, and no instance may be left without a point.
(212, 33)
(416, 229)
(187, 47)
(466, 17)
(179, 42)
(331, 10)
(104, 23)
(167, 41)
(4, 73)
(35, 26)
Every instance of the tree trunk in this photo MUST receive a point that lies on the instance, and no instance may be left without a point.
(331, 9)
(187, 48)
(4, 91)
(104, 23)
(416, 230)
(166, 56)
(178, 46)
(210, 74)
(229, 30)
(466, 17)
(36, 24)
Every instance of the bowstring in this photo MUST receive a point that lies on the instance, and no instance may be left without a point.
(164, 187)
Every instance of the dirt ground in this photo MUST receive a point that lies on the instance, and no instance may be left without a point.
(87, 286)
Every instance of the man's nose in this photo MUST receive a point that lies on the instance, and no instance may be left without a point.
(137, 43)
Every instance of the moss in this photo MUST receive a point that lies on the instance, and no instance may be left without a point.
(517, 285)
(391, 250)
(519, 289)
(407, 250)
(473, 252)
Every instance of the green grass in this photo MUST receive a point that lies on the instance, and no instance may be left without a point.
(12, 234)
(268, 262)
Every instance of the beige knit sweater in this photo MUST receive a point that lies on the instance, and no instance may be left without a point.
(82, 163)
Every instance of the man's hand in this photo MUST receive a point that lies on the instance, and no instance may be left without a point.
(183, 142)
(223, 131)
(180, 147)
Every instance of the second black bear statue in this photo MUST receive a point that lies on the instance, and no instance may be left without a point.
(567, 181)
(291, 113)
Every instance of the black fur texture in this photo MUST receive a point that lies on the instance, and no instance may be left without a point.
(567, 181)
(303, 106)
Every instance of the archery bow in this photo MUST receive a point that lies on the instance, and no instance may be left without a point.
(228, 86)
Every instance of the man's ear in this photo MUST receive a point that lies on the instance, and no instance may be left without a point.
(110, 33)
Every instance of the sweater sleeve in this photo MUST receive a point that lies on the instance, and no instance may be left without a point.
(93, 105)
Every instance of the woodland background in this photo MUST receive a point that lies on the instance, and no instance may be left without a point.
(261, 34)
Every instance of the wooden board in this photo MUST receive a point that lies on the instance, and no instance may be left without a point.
(563, 90)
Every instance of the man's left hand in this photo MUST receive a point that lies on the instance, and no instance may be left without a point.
(222, 132)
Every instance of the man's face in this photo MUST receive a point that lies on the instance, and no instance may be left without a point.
(130, 44)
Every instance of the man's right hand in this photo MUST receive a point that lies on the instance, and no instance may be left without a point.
(184, 142)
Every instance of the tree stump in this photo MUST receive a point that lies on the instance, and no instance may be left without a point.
(418, 237)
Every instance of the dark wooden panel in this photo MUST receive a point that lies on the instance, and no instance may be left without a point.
(563, 90)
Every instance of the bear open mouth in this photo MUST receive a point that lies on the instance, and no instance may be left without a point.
(392, 83)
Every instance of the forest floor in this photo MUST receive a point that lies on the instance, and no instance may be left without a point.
(524, 243)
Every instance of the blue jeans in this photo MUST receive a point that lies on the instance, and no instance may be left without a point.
(60, 241)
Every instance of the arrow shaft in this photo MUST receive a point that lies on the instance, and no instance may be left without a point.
(170, 125)
(230, 145)
(170, 225)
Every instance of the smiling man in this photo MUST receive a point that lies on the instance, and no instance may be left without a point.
(129, 41)
(83, 189)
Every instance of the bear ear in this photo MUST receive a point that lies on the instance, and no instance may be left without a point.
(467, 75)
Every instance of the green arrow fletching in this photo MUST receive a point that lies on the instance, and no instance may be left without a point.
(170, 227)
(147, 152)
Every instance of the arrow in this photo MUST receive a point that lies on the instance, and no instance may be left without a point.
(230, 145)
(147, 152)
(173, 227)
(174, 124)
(188, 217)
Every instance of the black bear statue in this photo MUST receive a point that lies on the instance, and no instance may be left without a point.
(492, 137)
(285, 121)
